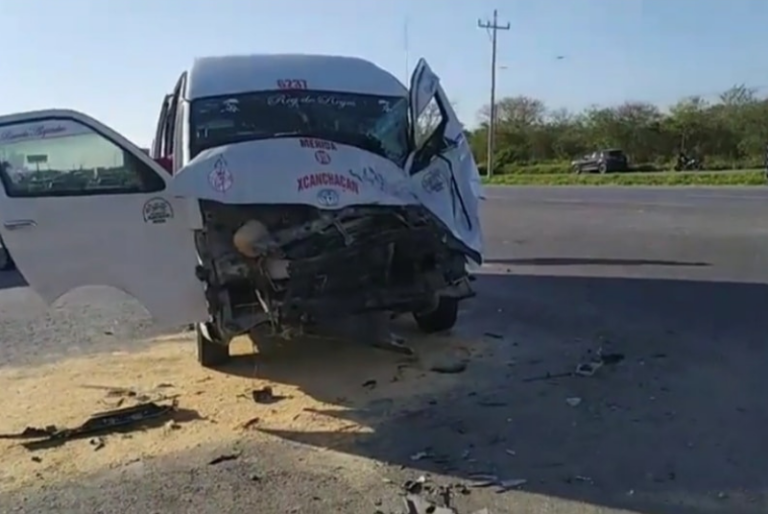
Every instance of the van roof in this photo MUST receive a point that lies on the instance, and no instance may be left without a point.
(228, 75)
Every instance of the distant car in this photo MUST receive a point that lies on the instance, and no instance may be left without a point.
(604, 161)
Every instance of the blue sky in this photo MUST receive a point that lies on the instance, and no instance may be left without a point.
(114, 59)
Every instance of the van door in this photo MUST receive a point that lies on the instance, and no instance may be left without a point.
(446, 177)
(82, 205)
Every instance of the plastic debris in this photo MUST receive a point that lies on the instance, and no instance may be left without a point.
(106, 422)
(574, 401)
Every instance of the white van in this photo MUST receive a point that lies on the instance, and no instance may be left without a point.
(279, 190)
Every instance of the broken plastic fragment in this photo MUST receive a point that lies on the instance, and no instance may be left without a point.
(512, 483)
(574, 401)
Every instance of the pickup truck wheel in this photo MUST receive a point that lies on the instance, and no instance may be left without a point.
(440, 319)
(603, 169)
(210, 353)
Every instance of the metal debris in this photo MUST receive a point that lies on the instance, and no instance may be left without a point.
(105, 422)
(265, 396)
(224, 458)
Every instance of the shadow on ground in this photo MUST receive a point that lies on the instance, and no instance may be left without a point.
(11, 279)
(674, 428)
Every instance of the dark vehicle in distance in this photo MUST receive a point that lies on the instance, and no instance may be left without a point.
(687, 162)
(603, 161)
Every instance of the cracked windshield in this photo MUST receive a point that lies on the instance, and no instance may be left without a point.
(332, 258)
(375, 123)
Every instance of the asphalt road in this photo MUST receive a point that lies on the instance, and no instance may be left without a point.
(674, 280)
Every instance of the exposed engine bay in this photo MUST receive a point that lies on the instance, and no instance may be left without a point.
(288, 266)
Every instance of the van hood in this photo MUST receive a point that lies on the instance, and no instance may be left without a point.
(316, 172)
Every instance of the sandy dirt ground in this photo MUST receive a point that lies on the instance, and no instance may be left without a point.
(214, 407)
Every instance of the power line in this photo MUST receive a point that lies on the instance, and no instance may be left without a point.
(493, 27)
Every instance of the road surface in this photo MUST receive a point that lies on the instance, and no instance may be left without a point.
(674, 280)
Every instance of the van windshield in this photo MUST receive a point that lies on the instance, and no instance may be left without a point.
(375, 123)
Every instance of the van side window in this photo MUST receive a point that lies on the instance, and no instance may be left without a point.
(63, 157)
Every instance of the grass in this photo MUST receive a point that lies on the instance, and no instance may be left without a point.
(697, 178)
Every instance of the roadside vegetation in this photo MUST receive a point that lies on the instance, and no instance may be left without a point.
(536, 144)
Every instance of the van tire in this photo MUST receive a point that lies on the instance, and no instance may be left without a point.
(210, 353)
(441, 318)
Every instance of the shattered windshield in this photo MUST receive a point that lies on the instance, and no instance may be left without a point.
(375, 123)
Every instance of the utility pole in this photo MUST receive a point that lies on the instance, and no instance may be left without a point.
(494, 27)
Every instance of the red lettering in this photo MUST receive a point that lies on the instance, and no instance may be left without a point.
(291, 84)
(317, 144)
(327, 179)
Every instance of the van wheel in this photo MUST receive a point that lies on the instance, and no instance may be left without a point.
(210, 353)
(441, 318)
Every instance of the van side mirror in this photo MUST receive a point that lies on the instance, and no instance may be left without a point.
(166, 163)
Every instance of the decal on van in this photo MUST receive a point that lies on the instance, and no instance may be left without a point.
(291, 84)
(157, 210)
(327, 179)
(323, 157)
(328, 198)
(42, 130)
(434, 181)
(220, 177)
(318, 144)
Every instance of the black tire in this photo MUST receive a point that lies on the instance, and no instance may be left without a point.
(602, 169)
(442, 318)
(210, 353)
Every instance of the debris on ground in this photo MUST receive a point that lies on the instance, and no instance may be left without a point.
(250, 423)
(393, 343)
(588, 369)
(419, 456)
(583, 369)
(97, 443)
(504, 485)
(31, 433)
(369, 384)
(422, 497)
(493, 335)
(450, 367)
(224, 458)
(574, 401)
(266, 396)
(580, 478)
(104, 422)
